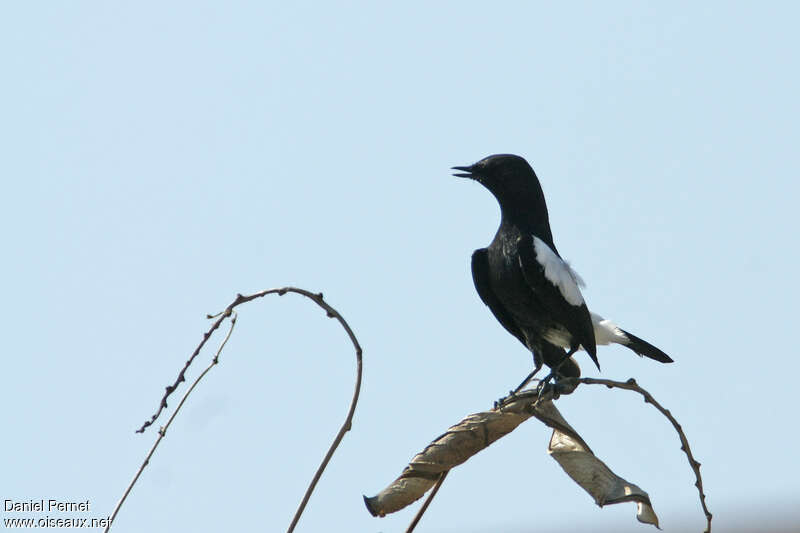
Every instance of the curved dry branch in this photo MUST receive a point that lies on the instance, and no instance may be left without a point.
(317, 298)
(220, 318)
(332, 313)
(648, 398)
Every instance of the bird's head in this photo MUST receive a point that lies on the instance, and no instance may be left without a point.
(509, 177)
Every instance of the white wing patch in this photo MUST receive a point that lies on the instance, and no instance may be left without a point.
(558, 272)
(606, 332)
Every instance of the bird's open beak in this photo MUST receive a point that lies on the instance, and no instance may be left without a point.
(466, 174)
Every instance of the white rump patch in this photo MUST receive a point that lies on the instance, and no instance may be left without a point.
(606, 332)
(558, 272)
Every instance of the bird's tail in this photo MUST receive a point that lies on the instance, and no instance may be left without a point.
(645, 348)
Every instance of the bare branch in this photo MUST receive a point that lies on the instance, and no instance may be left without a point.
(332, 313)
(163, 430)
(220, 318)
(648, 398)
(428, 501)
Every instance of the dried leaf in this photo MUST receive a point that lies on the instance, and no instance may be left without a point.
(578, 461)
(477, 431)
(459, 443)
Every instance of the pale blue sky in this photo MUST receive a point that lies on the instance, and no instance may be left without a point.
(158, 158)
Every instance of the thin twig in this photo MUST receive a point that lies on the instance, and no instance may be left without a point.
(182, 374)
(425, 505)
(163, 430)
(648, 398)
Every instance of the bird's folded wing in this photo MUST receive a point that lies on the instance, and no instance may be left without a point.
(555, 284)
(480, 276)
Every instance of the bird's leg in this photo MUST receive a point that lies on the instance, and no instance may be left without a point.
(537, 365)
(554, 371)
(527, 379)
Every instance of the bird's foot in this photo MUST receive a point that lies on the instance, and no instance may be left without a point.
(544, 384)
(505, 399)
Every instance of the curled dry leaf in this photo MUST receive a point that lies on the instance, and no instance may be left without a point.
(456, 445)
(477, 431)
(597, 479)
(585, 469)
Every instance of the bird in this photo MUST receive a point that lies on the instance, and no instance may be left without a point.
(533, 292)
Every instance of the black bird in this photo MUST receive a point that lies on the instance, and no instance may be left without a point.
(529, 288)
